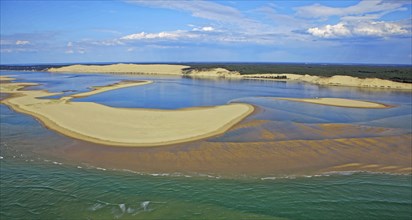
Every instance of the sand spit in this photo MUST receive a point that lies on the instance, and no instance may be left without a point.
(347, 103)
(120, 126)
(155, 69)
(337, 80)
(6, 78)
(101, 89)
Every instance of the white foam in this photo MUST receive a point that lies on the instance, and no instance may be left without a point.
(96, 206)
(1, 157)
(145, 205)
(122, 207)
(130, 210)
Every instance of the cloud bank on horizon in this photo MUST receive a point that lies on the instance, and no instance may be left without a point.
(368, 31)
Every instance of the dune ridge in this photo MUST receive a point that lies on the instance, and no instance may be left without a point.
(337, 80)
(155, 69)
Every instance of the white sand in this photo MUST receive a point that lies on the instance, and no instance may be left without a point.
(120, 126)
(348, 103)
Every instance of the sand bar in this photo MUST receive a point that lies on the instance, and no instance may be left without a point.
(155, 69)
(131, 127)
(100, 89)
(6, 78)
(338, 102)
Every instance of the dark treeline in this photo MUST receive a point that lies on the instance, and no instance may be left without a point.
(41, 67)
(401, 73)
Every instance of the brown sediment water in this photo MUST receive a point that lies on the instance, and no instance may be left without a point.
(376, 153)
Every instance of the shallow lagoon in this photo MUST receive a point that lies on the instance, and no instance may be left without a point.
(38, 184)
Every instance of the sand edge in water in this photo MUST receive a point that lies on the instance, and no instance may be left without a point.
(339, 102)
(129, 127)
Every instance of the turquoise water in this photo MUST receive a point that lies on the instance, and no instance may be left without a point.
(43, 190)
(34, 185)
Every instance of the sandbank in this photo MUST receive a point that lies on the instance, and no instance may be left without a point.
(338, 102)
(6, 78)
(131, 127)
(100, 89)
(156, 69)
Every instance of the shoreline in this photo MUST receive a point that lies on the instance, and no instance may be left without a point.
(221, 73)
(126, 127)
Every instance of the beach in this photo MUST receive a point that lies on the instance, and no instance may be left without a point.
(119, 126)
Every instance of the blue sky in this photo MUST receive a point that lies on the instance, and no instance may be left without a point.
(365, 31)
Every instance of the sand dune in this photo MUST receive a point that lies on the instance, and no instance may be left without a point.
(348, 103)
(337, 81)
(120, 126)
(158, 69)
(215, 72)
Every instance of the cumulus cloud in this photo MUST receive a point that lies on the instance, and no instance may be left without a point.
(361, 28)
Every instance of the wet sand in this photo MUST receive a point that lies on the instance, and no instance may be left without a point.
(338, 102)
(326, 148)
(120, 126)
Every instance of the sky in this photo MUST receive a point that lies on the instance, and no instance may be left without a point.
(64, 31)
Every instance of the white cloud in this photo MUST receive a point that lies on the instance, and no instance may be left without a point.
(364, 7)
(164, 35)
(330, 31)
(160, 35)
(360, 28)
(22, 42)
(207, 28)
